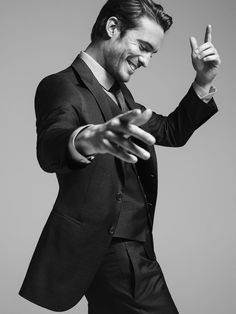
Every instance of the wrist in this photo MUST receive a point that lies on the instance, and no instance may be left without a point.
(83, 142)
(203, 84)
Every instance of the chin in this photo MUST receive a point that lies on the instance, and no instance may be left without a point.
(124, 78)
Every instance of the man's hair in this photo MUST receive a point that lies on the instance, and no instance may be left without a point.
(128, 13)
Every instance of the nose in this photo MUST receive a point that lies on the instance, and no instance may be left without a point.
(144, 59)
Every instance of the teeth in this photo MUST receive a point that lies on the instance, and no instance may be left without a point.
(133, 68)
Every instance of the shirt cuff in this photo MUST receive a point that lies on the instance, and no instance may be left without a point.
(204, 94)
(74, 152)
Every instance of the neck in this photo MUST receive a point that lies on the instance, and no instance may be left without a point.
(96, 51)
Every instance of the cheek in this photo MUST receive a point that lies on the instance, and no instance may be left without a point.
(119, 61)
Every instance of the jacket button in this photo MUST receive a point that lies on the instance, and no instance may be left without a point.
(152, 176)
(119, 197)
(111, 230)
(149, 205)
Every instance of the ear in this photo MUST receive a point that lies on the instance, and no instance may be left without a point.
(112, 27)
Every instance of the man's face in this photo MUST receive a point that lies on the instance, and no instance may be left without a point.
(126, 54)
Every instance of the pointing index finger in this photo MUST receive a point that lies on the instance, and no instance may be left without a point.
(129, 116)
(136, 116)
(208, 36)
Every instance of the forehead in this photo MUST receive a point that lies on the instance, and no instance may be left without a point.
(149, 31)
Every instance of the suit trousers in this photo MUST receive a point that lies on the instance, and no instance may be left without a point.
(129, 281)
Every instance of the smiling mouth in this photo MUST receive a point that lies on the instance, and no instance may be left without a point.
(132, 66)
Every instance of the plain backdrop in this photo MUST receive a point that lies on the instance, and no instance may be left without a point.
(194, 230)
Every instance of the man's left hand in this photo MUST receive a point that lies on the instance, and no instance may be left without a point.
(205, 60)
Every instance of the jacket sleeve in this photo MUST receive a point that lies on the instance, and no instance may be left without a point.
(57, 117)
(175, 129)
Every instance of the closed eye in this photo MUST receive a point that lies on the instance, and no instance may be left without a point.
(144, 46)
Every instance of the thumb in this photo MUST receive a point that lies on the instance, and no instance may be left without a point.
(193, 43)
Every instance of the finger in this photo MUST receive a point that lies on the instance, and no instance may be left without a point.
(213, 58)
(208, 52)
(118, 152)
(136, 116)
(193, 44)
(127, 145)
(205, 46)
(143, 118)
(126, 124)
(129, 129)
(138, 133)
(125, 118)
(208, 36)
(129, 115)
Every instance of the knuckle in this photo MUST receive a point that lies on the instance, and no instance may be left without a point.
(105, 142)
(108, 134)
(114, 122)
(128, 128)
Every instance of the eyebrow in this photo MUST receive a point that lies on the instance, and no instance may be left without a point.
(150, 47)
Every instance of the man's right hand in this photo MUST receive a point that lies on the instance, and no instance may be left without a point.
(113, 137)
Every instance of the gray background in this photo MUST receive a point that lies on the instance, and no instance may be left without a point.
(195, 219)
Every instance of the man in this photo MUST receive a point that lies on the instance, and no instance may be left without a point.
(99, 142)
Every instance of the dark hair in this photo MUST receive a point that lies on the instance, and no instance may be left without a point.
(128, 13)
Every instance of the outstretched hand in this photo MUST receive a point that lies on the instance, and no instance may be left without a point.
(205, 59)
(113, 137)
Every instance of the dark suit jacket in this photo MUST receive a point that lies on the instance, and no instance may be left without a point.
(80, 226)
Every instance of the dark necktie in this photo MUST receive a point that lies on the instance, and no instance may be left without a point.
(116, 91)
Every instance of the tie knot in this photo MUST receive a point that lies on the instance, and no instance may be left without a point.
(115, 88)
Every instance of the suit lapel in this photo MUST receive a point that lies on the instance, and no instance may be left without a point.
(128, 97)
(130, 101)
(93, 85)
(103, 101)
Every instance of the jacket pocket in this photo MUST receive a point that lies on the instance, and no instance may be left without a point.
(68, 218)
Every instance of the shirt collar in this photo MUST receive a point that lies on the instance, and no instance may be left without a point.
(103, 77)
